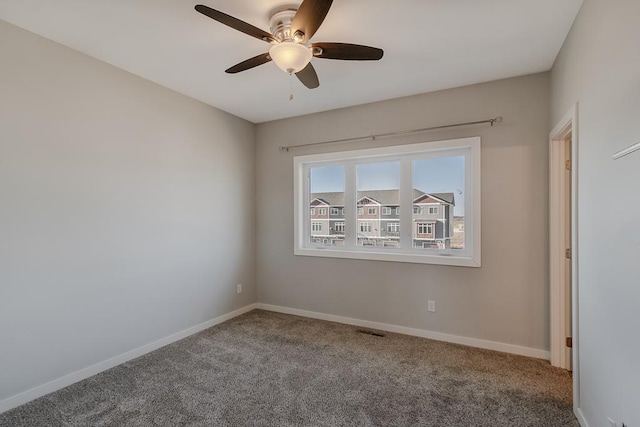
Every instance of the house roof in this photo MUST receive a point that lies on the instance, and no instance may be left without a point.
(384, 197)
(332, 199)
(445, 197)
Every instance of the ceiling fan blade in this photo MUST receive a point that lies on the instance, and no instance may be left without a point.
(249, 63)
(235, 23)
(308, 76)
(310, 15)
(347, 51)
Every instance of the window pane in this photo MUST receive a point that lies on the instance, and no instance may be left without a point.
(378, 197)
(326, 200)
(438, 204)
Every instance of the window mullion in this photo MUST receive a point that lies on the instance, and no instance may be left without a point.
(350, 205)
(306, 214)
(406, 202)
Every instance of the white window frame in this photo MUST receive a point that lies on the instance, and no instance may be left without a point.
(371, 211)
(334, 211)
(434, 210)
(339, 227)
(470, 256)
(397, 211)
(366, 225)
(314, 228)
(426, 226)
(386, 210)
(322, 211)
(393, 225)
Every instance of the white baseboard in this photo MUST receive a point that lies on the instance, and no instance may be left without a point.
(82, 374)
(472, 342)
(580, 416)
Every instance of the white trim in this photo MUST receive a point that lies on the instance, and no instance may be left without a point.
(438, 336)
(569, 123)
(59, 383)
(557, 245)
(580, 416)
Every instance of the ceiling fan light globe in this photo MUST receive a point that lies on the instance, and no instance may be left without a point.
(290, 57)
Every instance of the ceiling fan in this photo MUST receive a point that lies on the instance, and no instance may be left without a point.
(291, 31)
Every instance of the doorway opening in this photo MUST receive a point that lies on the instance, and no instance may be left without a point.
(563, 254)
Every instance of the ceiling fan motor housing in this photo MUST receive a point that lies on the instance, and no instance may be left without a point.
(280, 24)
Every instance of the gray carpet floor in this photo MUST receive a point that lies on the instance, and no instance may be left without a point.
(269, 369)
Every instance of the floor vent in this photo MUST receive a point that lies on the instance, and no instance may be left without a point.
(367, 332)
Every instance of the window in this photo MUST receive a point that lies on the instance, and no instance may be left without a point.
(425, 228)
(442, 177)
(322, 211)
(313, 211)
(335, 211)
(342, 211)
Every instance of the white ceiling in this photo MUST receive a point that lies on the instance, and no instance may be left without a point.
(429, 45)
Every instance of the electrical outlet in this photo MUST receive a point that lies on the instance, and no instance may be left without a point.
(239, 288)
(431, 306)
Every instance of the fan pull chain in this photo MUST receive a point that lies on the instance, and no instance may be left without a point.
(290, 87)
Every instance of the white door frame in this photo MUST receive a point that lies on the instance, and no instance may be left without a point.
(557, 245)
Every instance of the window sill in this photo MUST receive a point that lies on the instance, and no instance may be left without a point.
(417, 258)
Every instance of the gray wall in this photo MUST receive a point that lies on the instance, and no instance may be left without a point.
(126, 211)
(599, 67)
(506, 300)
